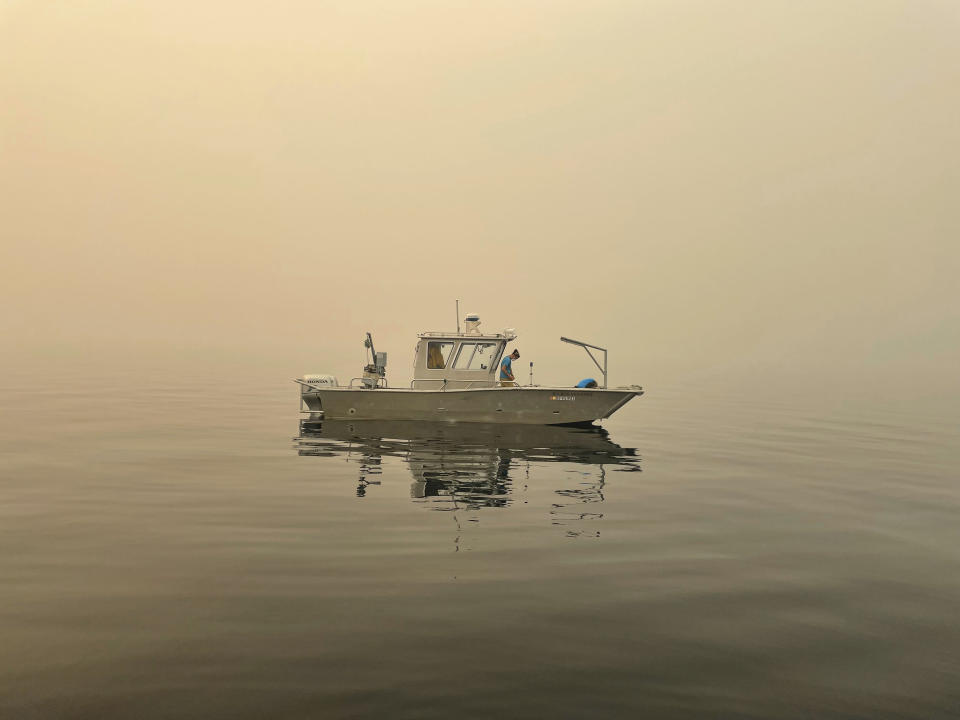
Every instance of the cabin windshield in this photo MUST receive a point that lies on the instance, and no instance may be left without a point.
(476, 356)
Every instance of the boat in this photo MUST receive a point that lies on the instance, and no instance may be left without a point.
(456, 380)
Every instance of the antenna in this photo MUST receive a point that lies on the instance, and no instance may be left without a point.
(458, 317)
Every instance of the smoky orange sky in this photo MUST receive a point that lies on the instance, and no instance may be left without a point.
(737, 191)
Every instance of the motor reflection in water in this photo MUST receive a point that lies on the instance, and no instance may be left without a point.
(474, 466)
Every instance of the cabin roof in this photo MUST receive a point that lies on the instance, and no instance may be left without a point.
(465, 336)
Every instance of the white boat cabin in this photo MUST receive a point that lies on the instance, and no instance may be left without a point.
(444, 361)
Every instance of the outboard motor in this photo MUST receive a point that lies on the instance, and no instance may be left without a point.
(309, 384)
(318, 382)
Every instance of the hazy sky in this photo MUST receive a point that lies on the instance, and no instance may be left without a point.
(712, 189)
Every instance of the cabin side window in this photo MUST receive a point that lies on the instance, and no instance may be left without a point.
(438, 353)
(475, 356)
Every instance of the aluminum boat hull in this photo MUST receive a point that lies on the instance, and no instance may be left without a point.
(522, 405)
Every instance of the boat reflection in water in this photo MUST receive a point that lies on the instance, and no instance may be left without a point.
(474, 466)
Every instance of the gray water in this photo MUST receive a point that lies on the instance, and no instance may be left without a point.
(169, 549)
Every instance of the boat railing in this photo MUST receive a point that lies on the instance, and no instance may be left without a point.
(465, 336)
(469, 383)
(379, 380)
(420, 380)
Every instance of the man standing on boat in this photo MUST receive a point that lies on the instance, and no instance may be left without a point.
(506, 369)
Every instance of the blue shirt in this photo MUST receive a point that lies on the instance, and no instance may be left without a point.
(506, 368)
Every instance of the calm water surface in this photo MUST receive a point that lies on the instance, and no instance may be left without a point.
(169, 549)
